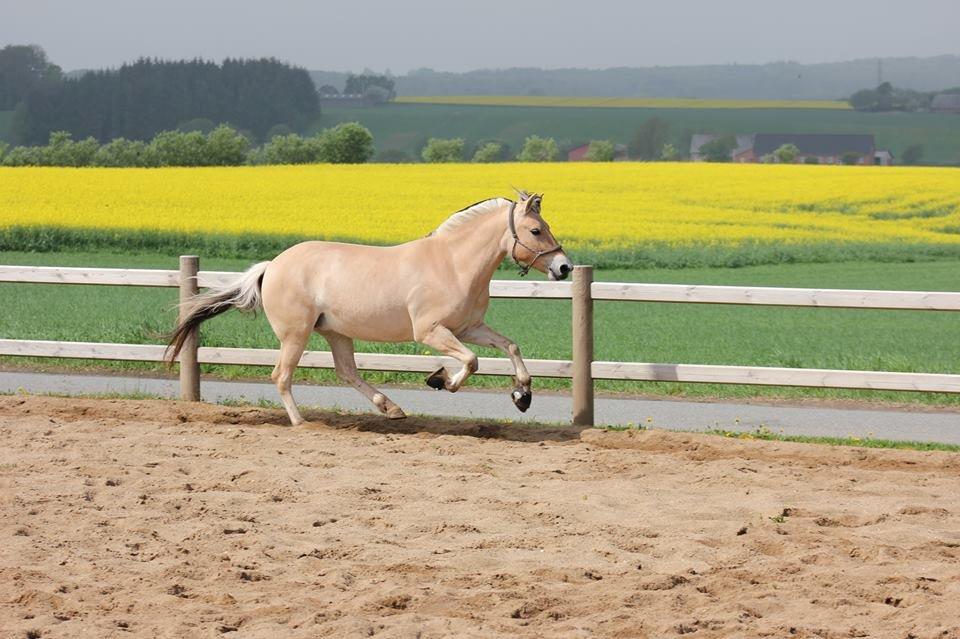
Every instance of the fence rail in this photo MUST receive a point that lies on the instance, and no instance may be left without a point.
(582, 369)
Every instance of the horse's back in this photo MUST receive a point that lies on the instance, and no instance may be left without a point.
(361, 291)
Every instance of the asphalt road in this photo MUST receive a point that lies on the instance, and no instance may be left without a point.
(917, 425)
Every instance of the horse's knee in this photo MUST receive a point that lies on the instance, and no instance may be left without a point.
(282, 379)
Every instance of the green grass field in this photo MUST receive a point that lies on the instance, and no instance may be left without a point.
(407, 126)
(676, 333)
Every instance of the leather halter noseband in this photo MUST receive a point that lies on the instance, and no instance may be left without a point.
(524, 268)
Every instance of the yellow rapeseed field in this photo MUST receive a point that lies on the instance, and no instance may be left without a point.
(622, 103)
(604, 206)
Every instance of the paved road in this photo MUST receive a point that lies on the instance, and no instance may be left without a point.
(671, 414)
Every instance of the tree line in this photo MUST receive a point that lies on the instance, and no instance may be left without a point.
(348, 143)
(139, 100)
(887, 97)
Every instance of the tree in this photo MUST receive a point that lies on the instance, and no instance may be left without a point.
(599, 151)
(719, 149)
(537, 149)
(347, 143)
(328, 90)
(669, 153)
(439, 150)
(786, 153)
(23, 69)
(912, 155)
(850, 158)
(393, 156)
(358, 84)
(141, 99)
(488, 152)
(203, 125)
(376, 95)
(649, 139)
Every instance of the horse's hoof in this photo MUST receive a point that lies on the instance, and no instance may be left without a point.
(521, 399)
(436, 381)
(396, 413)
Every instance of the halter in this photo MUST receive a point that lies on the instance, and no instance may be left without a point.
(524, 268)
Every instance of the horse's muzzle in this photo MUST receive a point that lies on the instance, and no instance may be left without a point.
(560, 267)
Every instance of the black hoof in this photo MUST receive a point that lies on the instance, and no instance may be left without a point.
(521, 399)
(435, 381)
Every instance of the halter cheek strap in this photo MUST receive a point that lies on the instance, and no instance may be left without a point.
(524, 268)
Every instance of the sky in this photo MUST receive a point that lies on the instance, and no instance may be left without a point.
(458, 36)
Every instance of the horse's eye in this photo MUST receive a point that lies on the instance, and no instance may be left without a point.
(535, 231)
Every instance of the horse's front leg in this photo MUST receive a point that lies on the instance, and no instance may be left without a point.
(483, 335)
(442, 339)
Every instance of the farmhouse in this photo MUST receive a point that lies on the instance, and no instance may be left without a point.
(946, 103)
(815, 148)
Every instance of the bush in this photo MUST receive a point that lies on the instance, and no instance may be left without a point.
(124, 152)
(719, 149)
(174, 148)
(669, 153)
(599, 151)
(439, 150)
(290, 149)
(786, 153)
(850, 158)
(811, 159)
(537, 149)
(226, 147)
(488, 152)
(348, 143)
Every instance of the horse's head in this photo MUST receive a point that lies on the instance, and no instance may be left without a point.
(531, 242)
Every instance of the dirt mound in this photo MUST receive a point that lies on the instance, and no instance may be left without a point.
(151, 518)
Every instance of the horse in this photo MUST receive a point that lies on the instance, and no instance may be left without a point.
(433, 290)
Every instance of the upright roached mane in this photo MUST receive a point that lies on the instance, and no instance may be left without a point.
(464, 215)
(434, 290)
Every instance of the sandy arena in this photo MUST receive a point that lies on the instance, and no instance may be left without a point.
(163, 519)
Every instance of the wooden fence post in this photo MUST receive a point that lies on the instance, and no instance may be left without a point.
(582, 346)
(189, 368)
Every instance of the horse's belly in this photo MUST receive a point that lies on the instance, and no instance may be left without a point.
(387, 326)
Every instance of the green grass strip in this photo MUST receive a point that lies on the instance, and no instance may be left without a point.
(45, 239)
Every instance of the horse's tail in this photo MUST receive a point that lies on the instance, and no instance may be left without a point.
(243, 294)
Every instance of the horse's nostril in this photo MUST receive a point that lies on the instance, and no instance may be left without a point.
(564, 269)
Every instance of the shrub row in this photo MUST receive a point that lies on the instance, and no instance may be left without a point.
(348, 143)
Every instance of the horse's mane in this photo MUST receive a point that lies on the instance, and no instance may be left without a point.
(464, 215)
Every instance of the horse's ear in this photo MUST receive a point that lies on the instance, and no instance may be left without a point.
(533, 203)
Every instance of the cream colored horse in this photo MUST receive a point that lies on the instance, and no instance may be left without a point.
(434, 290)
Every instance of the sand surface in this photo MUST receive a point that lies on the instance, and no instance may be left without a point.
(163, 519)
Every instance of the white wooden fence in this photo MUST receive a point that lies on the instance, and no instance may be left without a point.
(582, 369)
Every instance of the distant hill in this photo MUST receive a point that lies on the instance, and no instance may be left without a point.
(774, 81)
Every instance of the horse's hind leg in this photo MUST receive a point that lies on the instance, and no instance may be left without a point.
(291, 349)
(343, 359)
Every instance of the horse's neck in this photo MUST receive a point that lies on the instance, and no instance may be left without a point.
(477, 249)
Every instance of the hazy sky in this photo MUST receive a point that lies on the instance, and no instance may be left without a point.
(457, 36)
